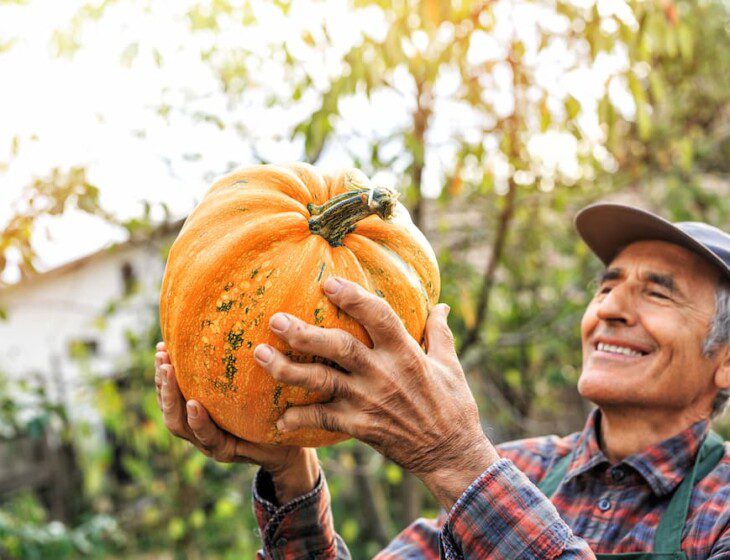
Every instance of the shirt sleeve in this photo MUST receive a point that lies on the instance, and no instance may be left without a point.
(502, 515)
(721, 549)
(301, 528)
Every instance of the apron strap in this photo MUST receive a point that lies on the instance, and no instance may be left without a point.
(555, 476)
(668, 536)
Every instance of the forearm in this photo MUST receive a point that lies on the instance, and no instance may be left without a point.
(296, 478)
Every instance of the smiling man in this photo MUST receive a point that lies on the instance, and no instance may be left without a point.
(646, 478)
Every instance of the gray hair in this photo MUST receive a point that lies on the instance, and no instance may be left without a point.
(717, 337)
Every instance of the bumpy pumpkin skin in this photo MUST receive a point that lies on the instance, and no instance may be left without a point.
(247, 252)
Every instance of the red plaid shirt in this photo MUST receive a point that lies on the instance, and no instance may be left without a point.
(599, 507)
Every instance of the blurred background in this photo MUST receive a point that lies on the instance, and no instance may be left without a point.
(496, 120)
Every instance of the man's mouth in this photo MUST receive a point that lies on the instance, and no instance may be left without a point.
(614, 349)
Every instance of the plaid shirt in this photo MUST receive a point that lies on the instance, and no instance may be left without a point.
(599, 507)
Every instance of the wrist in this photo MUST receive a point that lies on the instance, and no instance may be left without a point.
(448, 482)
(297, 478)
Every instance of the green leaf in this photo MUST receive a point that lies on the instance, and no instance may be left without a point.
(176, 528)
(686, 153)
(572, 107)
(686, 42)
(643, 121)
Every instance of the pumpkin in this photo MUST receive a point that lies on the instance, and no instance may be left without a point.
(263, 240)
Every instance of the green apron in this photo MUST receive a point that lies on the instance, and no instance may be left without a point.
(668, 538)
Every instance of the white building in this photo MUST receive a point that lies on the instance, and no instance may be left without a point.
(54, 315)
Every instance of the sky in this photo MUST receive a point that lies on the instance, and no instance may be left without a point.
(98, 107)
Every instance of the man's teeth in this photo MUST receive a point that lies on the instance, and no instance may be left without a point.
(617, 349)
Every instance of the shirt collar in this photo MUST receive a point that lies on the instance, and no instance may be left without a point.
(663, 465)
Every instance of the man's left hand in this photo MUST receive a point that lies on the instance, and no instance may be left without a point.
(413, 407)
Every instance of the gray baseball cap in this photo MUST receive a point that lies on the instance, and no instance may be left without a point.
(607, 228)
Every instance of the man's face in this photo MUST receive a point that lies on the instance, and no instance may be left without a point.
(643, 330)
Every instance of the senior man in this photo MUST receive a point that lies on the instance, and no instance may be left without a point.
(646, 478)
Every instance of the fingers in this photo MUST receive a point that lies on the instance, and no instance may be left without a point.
(315, 377)
(173, 404)
(215, 442)
(439, 338)
(323, 416)
(334, 344)
(372, 312)
(161, 357)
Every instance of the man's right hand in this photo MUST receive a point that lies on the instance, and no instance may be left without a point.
(294, 470)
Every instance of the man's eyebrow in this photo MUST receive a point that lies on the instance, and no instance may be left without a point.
(664, 280)
(610, 274)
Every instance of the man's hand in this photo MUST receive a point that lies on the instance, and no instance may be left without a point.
(294, 470)
(413, 407)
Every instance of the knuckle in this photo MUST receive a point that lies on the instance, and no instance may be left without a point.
(279, 370)
(347, 345)
(447, 335)
(369, 428)
(385, 317)
(328, 423)
(335, 386)
(219, 456)
(299, 335)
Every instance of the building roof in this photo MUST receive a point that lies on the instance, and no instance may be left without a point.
(162, 230)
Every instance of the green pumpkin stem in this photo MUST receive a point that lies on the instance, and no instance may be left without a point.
(339, 215)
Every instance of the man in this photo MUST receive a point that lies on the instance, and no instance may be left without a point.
(643, 476)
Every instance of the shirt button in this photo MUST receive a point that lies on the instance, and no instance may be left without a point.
(281, 542)
(617, 474)
(604, 504)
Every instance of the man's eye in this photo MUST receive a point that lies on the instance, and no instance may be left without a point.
(658, 295)
(604, 289)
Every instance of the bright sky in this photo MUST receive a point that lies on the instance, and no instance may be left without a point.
(98, 108)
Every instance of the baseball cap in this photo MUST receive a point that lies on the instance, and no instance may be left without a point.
(607, 228)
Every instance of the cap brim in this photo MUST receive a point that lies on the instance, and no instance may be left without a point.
(607, 228)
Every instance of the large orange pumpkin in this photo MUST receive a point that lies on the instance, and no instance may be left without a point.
(263, 240)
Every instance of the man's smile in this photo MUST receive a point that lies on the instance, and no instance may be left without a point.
(615, 349)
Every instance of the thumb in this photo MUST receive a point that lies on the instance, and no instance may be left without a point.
(438, 335)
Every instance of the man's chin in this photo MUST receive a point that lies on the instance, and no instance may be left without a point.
(602, 389)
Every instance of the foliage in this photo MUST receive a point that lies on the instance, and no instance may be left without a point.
(25, 530)
(653, 130)
(162, 489)
(25, 533)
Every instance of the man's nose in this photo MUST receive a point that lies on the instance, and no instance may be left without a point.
(618, 306)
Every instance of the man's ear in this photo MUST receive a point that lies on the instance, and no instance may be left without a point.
(722, 373)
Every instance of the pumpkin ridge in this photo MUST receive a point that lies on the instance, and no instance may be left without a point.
(234, 206)
(206, 258)
(311, 179)
(392, 282)
(278, 178)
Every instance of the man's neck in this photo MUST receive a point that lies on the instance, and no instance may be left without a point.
(626, 432)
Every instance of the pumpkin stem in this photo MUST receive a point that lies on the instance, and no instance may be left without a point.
(339, 215)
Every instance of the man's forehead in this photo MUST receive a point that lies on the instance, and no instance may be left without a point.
(665, 258)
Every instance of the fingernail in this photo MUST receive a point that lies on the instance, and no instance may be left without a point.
(263, 353)
(447, 309)
(192, 410)
(280, 426)
(332, 285)
(280, 322)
